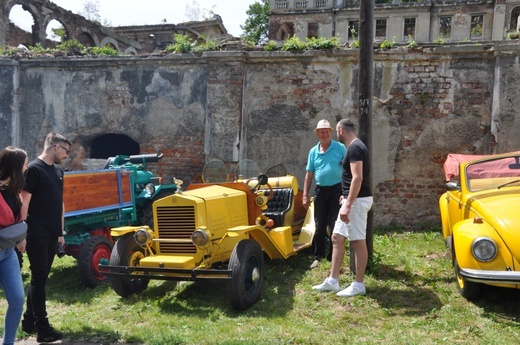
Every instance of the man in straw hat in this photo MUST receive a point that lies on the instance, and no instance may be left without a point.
(324, 165)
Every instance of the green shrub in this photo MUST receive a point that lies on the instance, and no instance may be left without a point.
(270, 46)
(39, 49)
(323, 43)
(210, 45)
(182, 44)
(513, 35)
(6, 51)
(440, 41)
(71, 46)
(249, 44)
(386, 44)
(106, 50)
(293, 44)
(410, 43)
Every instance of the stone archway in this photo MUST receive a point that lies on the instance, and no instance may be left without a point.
(111, 145)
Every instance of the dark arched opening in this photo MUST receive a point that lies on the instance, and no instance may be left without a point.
(111, 145)
(513, 24)
(86, 39)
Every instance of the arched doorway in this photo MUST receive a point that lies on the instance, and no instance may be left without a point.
(111, 145)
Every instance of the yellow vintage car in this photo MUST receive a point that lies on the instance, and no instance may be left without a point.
(216, 230)
(481, 220)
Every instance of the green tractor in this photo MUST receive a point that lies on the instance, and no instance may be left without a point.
(122, 193)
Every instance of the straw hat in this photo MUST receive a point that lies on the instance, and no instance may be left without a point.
(323, 124)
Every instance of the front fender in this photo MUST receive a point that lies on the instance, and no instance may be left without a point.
(465, 232)
(443, 210)
(123, 230)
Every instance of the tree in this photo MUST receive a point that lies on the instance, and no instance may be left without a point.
(256, 28)
(91, 12)
(193, 12)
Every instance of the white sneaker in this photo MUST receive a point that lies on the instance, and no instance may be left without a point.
(352, 290)
(314, 264)
(326, 286)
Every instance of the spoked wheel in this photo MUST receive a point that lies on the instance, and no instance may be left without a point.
(91, 253)
(127, 252)
(247, 267)
(467, 289)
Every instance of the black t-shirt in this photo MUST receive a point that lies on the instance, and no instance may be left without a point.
(45, 183)
(356, 151)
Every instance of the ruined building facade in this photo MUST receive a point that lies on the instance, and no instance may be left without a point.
(126, 40)
(422, 21)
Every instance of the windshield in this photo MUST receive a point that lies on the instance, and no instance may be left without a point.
(496, 173)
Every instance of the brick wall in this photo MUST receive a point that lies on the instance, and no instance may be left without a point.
(264, 106)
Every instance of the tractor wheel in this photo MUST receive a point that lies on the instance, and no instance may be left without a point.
(91, 253)
(247, 269)
(468, 290)
(127, 252)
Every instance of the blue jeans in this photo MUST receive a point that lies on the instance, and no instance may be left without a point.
(11, 283)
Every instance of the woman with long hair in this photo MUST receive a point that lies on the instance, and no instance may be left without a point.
(13, 163)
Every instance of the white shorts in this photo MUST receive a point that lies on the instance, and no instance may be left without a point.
(357, 228)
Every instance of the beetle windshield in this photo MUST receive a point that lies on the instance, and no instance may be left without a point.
(493, 173)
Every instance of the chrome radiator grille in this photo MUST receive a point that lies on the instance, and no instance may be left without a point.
(176, 223)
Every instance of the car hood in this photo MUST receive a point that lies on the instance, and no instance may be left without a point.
(500, 210)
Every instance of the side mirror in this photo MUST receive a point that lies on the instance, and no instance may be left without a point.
(515, 165)
(452, 186)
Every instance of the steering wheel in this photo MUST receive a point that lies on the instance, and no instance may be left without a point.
(262, 181)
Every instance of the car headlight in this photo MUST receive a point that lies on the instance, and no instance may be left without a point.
(149, 189)
(200, 237)
(142, 237)
(484, 249)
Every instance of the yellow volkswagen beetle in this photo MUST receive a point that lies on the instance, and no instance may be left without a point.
(480, 214)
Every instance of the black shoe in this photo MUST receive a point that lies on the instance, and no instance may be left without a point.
(47, 334)
(28, 326)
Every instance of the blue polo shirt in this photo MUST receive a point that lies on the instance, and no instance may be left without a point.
(326, 166)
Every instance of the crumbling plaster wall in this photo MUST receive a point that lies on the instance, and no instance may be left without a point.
(264, 106)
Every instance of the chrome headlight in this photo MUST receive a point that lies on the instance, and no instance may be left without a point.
(149, 189)
(142, 237)
(484, 249)
(200, 237)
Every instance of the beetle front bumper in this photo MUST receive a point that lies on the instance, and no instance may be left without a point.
(496, 277)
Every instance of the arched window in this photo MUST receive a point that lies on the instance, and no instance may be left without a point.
(22, 28)
(56, 32)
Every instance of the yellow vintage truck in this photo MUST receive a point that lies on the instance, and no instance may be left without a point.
(214, 231)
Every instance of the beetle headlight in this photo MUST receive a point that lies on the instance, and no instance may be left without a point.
(149, 189)
(200, 237)
(142, 237)
(484, 249)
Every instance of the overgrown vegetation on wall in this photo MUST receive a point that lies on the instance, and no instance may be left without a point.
(66, 48)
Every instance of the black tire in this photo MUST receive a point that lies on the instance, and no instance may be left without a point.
(90, 254)
(127, 252)
(468, 290)
(247, 267)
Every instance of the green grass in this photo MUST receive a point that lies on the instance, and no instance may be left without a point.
(411, 299)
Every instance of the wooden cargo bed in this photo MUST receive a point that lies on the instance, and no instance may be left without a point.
(96, 190)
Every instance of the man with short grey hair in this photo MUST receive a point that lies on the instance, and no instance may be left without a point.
(352, 218)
